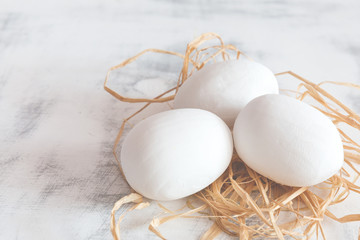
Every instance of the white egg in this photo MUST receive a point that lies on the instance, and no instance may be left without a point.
(176, 153)
(224, 88)
(288, 141)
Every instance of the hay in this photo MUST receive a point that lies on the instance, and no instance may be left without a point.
(240, 194)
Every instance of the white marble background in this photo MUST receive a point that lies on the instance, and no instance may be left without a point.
(58, 179)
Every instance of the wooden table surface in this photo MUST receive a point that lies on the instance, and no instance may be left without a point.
(58, 178)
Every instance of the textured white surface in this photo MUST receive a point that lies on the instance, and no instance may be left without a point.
(288, 141)
(58, 179)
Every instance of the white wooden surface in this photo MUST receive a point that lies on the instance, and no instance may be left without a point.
(58, 179)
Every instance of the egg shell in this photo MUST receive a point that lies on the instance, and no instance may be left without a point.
(224, 88)
(176, 153)
(288, 141)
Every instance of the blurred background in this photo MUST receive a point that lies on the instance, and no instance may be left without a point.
(58, 178)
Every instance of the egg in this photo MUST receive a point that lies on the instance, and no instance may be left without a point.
(224, 88)
(176, 153)
(288, 141)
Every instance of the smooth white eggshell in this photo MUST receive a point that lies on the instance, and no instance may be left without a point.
(224, 88)
(176, 153)
(288, 141)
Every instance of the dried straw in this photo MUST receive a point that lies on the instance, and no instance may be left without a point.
(241, 202)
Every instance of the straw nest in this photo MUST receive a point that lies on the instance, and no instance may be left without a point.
(241, 202)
